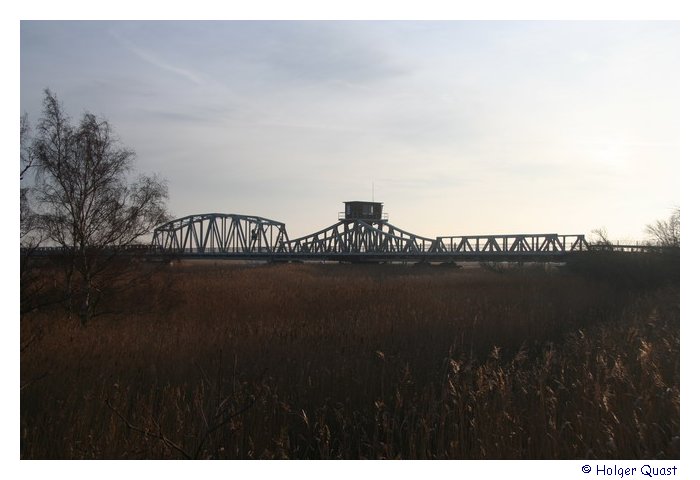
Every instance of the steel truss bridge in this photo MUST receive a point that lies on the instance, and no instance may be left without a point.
(246, 237)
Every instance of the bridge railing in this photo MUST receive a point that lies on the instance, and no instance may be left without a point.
(344, 216)
(629, 248)
(114, 249)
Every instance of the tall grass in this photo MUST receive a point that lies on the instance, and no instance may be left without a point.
(342, 361)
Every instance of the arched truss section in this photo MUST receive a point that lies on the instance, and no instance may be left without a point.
(358, 236)
(219, 233)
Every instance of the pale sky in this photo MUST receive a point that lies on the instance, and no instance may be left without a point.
(470, 127)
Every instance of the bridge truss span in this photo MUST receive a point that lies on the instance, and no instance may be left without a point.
(245, 236)
(359, 236)
(523, 244)
(362, 234)
(221, 234)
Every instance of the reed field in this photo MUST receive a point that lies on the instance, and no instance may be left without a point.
(221, 360)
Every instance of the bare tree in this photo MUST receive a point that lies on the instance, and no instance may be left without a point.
(85, 200)
(29, 235)
(666, 233)
(600, 237)
(26, 159)
(26, 162)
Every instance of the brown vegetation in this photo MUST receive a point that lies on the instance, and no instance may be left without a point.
(216, 360)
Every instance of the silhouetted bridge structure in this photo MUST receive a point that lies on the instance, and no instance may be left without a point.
(362, 234)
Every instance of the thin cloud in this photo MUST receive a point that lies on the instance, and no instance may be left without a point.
(158, 62)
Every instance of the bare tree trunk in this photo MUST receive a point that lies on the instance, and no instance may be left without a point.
(86, 294)
(69, 286)
(86, 300)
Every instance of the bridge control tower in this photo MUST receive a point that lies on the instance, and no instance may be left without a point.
(366, 211)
